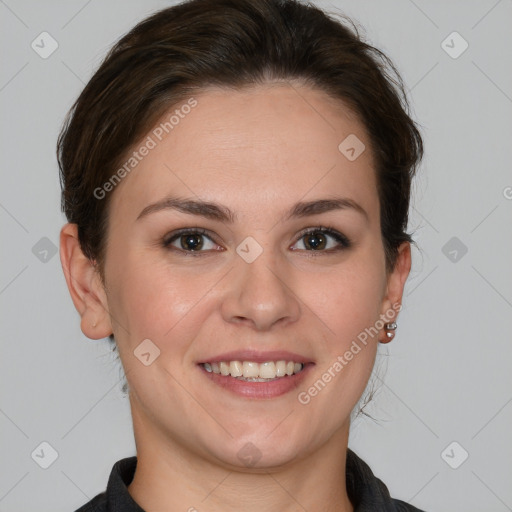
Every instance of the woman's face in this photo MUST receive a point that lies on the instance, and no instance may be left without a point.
(248, 173)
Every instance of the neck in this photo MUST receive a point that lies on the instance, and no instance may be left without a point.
(170, 476)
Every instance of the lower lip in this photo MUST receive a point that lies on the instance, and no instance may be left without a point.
(270, 389)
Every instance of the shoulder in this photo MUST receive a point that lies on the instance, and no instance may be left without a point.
(116, 498)
(401, 506)
(97, 504)
(367, 492)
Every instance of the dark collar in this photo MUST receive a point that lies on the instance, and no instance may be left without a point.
(367, 493)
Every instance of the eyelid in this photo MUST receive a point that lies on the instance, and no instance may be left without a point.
(343, 241)
(185, 231)
(171, 237)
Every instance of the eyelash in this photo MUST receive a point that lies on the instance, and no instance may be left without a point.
(344, 242)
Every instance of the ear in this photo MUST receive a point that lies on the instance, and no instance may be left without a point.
(392, 301)
(85, 286)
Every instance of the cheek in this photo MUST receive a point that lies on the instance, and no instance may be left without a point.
(153, 298)
(347, 299)
(348, 302)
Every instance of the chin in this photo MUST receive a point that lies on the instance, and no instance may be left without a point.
(256, 453)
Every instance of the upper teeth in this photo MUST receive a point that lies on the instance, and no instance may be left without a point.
(250, 369)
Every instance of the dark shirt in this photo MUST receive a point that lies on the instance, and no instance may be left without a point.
(366, 492)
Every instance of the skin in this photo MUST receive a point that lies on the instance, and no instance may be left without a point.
(257, 151)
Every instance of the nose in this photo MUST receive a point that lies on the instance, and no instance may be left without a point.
(260, 295)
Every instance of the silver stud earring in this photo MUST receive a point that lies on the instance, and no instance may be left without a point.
(390, 331)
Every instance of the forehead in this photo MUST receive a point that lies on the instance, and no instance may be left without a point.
(252, 148)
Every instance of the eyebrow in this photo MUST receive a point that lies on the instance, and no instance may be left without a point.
(222, 213)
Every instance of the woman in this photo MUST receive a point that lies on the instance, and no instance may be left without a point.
(236, 177)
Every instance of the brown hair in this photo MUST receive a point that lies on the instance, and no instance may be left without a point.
(232, 44)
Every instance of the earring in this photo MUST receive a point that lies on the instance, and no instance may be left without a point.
(390, 331)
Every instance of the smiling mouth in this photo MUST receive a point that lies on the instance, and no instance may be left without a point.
(251, 371)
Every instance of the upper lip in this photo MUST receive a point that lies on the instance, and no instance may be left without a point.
(257, 356)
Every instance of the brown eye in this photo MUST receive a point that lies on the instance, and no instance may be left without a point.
(323, 240)
(315, 240)
(190, 240)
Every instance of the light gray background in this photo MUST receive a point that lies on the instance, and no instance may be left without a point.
(448, 372)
